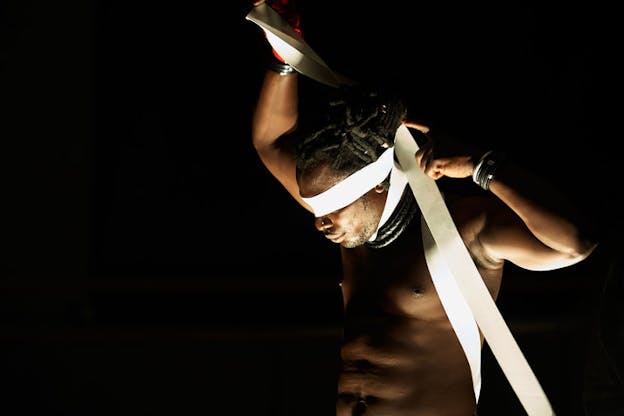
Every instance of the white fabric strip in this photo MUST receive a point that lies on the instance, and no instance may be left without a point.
(440, 223)
(292, 48)
(352, 187)
(455, 306)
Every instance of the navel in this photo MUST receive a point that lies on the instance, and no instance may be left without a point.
(418, 292)
(360, 407)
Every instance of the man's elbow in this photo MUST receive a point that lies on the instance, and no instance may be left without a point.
(583, 248)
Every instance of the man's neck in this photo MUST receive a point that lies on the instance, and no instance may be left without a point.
(399, 220)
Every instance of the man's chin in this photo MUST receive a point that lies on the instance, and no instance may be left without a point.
(352, 243)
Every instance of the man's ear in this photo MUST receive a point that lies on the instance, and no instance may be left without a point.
(380, 188)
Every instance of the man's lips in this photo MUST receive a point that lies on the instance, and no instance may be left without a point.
(335, 238)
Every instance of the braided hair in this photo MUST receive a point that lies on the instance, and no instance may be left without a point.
(359, 123)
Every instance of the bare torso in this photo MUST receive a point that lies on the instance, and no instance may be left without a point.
(400, 353)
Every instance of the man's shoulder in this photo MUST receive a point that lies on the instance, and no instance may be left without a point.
(470, 208)
(478, 202)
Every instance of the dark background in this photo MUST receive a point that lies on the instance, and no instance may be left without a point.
(152, 266)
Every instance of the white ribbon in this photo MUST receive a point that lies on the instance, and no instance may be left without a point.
(455, 306)
(292, 47)
(353, 186)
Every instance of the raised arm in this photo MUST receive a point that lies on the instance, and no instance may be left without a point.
(564, 235)
(276, 114)
(533, 224)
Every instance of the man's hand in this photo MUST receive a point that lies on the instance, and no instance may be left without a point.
(438, 158)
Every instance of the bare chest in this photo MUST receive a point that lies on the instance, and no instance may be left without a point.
(396, 281)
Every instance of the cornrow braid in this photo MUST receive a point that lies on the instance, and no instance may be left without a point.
(358, 124)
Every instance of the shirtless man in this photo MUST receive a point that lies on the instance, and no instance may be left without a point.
(400, 354)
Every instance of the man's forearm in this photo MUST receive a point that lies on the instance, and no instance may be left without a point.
(550, 216)
(276, 109)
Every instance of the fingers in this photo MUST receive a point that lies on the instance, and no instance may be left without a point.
(417, 126)
(258, 3)
(436, 159)
(435, 169)
(424, 156)
(452, 167)
(430, 165)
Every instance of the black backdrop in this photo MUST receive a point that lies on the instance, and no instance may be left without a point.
(153, 266)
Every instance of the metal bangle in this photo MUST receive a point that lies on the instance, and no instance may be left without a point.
(485, 169)
(281, 68)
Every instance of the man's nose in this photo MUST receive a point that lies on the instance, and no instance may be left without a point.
(323, 224)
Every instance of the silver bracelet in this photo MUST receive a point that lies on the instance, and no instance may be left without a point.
(281, 68)
(485, 169)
